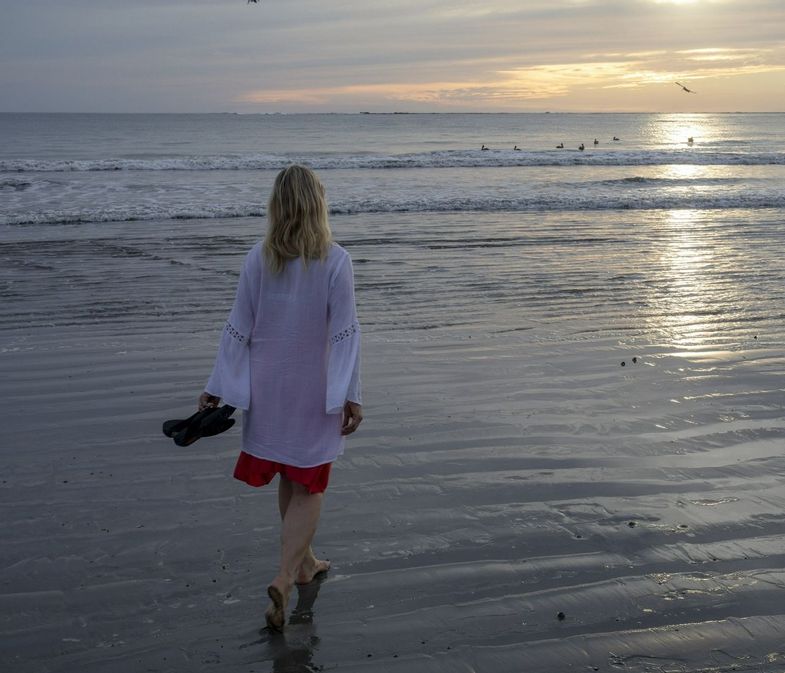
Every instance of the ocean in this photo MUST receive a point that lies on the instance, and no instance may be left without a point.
(573, 372)
(93, 168)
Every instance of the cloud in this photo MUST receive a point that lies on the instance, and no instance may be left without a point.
(293, 55)
(521, 86)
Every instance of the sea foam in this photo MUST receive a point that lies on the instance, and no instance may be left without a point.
(441, 159)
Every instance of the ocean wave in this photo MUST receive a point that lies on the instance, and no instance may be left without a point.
(14, 185)
(567, 201)
(647, 181)
(442, 159)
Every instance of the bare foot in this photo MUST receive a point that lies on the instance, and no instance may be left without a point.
(276, 613)
(310, 568)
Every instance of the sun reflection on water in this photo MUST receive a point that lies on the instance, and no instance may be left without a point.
(681, 171)
(675, 130)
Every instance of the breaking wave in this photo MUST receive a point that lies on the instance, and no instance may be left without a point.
(442, 159)
(565, 201)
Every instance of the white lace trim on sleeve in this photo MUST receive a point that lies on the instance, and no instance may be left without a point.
(234, 333)
(343, 368)
(345, 333)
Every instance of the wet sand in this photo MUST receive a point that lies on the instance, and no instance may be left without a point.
(509, 468)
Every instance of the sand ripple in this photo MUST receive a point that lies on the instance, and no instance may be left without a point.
(510, 468)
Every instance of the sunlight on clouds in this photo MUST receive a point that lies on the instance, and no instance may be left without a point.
(514, 88)
(418, 55)
(689, 2)
(538, 83)
(719, 54)
(535, 83)
(623, 56)
(558, 79)
(466, 12)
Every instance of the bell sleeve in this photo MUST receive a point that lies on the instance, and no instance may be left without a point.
(343, 363)
(231, 376)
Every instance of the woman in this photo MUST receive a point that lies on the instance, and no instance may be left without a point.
(289, 356)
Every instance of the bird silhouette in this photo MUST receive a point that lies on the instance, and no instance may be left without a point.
(685, 88)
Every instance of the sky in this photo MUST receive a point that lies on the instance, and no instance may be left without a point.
(398, 55)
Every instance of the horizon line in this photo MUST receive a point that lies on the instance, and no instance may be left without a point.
(396, 112)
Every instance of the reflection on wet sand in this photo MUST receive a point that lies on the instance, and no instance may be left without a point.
(683, 301)
(509, 469)
(293, 649)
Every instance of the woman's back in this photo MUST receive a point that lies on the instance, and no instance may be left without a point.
(292, 304)
(301, 314)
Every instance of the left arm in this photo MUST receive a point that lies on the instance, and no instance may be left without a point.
(343, 367)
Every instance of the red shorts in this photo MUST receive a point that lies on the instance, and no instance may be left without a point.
(259, 471)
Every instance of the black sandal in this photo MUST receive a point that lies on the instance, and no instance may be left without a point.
(208, 422)
(171, 428)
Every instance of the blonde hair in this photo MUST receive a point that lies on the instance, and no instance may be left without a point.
(297, 218)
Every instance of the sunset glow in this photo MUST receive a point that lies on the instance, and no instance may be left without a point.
(309, 55)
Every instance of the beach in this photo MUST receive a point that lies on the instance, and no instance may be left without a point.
(509, 468)
(571, 458)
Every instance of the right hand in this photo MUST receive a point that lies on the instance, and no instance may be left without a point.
(208, 400)
(352, 417)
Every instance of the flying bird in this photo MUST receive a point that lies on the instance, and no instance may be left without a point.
(685, 88)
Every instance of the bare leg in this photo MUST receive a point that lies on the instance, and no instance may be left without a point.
(299, 525)
(310, 566)
(284, 495)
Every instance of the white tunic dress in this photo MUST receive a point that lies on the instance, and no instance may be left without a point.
(289, 356)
